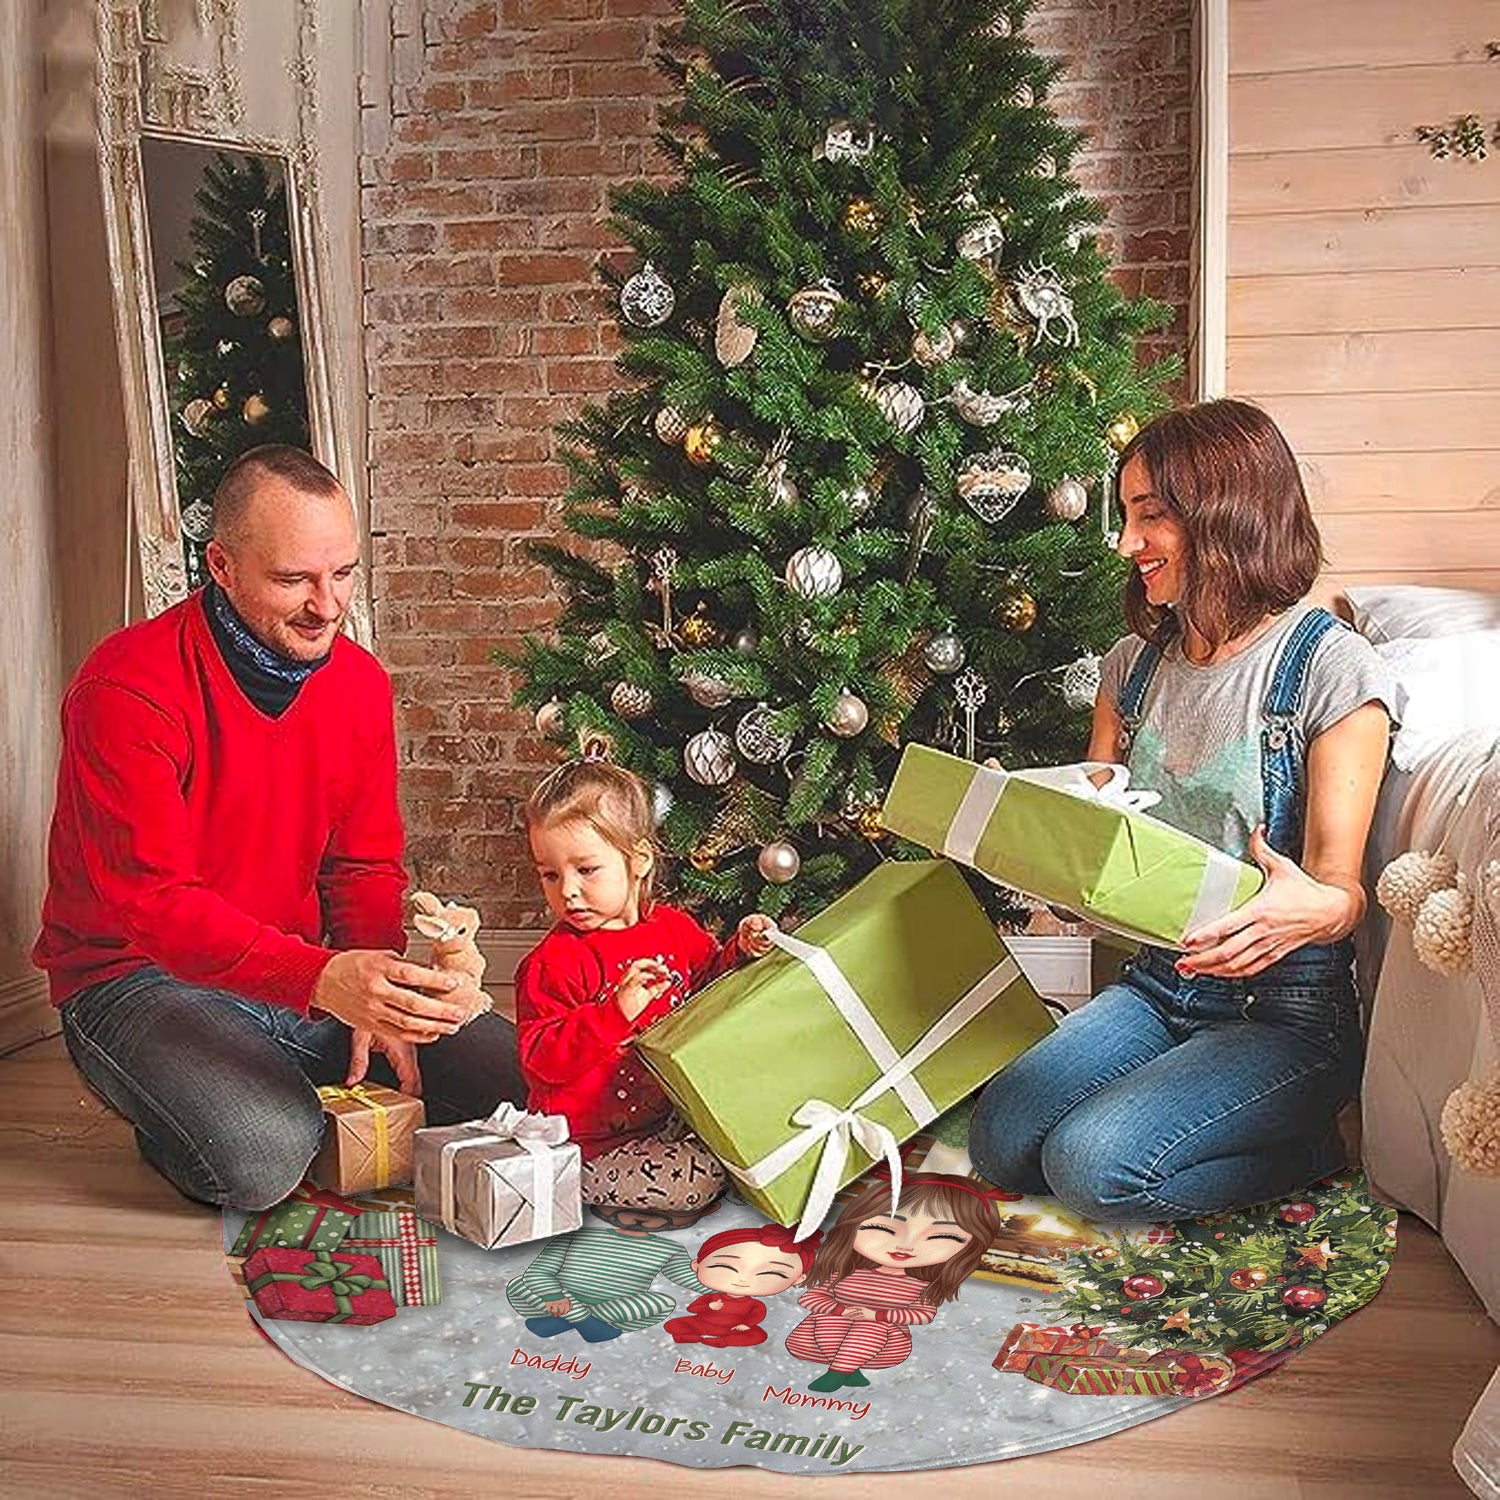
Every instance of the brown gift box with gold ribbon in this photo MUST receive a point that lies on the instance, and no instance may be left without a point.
(368, 1139)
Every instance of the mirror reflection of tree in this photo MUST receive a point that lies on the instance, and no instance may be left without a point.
(233, 355)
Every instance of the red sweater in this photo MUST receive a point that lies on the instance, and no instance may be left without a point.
(195, 833)
(574, 1040)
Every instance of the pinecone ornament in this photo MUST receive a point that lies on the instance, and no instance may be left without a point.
(1471, 1125)
(1443, 933)
(1411, 878)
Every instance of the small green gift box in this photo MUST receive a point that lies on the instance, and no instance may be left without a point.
(1054, 835)
(802, 1068)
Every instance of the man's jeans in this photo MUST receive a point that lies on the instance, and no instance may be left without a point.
(222, 1090)
(1168, 1097)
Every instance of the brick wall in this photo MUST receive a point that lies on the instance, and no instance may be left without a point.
(491, 152)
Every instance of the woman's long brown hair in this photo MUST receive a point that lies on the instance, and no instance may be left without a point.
(1224, 470)
(837, 1257)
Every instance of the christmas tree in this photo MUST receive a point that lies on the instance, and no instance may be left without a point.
(855, 493)
(1264, 1278)
(232, 349)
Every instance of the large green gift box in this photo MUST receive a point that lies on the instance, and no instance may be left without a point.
(802, 1068)
(1055, 836)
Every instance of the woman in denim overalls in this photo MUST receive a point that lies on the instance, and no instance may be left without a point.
(1211, 1078)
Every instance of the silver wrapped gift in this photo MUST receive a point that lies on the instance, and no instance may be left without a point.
(502, 1181)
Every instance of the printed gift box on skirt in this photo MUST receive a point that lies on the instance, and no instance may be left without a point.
(884, 1010)
(309, 1286)
(1054, 835)
(1081, 1375)
(502, 1181)
(309, 1220)
(367, 1139)
(406, 1248)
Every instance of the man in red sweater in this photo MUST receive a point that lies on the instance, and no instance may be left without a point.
(223, 921)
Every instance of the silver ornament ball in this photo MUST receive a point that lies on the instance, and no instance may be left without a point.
(549, 720)
(814, 573)
(709, 758)
(1067, 500)
(1080, 682)
(630, 700)
(758, 738)
(706, 690)
(778, 862)
(196, 416)
(849, 716)
(647, 298)
(198, 521)
(662, 803)
(245, 296)
(745, 642)
(944, 653)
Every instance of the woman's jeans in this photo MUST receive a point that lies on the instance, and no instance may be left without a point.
(1170, 1097)
(222, 1091)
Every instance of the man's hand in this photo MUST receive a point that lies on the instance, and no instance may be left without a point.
(645, 980)
(754, 934)
(403, 1059)
(384, 994)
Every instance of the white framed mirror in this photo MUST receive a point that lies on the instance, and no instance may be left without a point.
(219, 264)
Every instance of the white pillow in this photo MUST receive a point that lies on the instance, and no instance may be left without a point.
(1447, 686)
(1388, 612)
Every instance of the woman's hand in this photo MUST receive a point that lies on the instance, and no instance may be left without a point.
(1291, 909)
(645, 980)
(754, 934)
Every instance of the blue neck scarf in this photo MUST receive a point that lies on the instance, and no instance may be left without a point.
(270, 680)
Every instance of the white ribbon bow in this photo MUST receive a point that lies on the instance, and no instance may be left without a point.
(823, 1124)
(536, 1134)
(1077, 780)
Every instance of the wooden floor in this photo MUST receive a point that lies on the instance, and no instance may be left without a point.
(129, 1368)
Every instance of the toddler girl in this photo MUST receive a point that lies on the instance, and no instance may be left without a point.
(615, 961)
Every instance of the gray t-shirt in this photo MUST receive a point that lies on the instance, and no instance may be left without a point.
(1198, 742)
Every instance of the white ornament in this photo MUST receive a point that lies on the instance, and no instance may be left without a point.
(1067, 500)
(983, 241)
(758, 739)
(860, 498)
(647, 298)
(630, 700)
(549, 720)
(843, 141)
(1443, 933)
(1080, 682)
(709, 758)
(944, 653)
(985, 408)
(745, 642)
(662, 803)
(992, 483)
(198, 521)
(814, 573)
(1039, 290)
(706, 690)
(1411, 878)
(778, 862)
(901, 405)
(849, 716)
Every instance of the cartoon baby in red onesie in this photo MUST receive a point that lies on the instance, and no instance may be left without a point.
(740, 1266)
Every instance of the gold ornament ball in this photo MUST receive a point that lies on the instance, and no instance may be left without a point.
(1121, 431)
(702, 439)
(1017, 612)
(256, 409)
(699, 629)
(861, 216)
(281, 329)
(870, 823)
(872, 284)
(221, 398)
(704, 861)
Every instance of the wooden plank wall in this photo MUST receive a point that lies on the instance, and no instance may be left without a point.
(1364, 276)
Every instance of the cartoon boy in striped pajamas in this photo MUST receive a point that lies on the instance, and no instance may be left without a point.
(598, 1282)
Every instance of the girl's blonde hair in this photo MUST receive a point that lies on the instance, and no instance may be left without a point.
(613, 802)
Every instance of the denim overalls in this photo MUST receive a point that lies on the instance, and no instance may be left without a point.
(1171, 1096)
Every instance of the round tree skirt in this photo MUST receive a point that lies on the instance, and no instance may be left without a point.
(1065, 1331)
